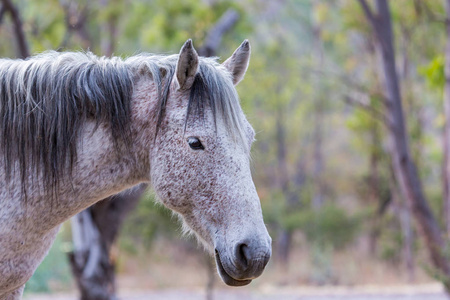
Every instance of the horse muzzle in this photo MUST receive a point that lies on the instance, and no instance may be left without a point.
(245, 262)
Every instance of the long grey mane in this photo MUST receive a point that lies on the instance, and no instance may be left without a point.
(45, 100)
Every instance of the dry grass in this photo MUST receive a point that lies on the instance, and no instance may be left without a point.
(181, 266)
(179, 271)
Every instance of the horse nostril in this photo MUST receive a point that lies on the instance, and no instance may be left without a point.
(242, 254)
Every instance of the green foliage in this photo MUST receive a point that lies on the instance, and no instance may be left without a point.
(322, 272)
(44, 30)
(193, 20)
(329, 226)
(148, 221)
(144, 25)
(151, 25)
(434, 73)
(273, 211)
(53, 272)
(438, 275)
(390, 241)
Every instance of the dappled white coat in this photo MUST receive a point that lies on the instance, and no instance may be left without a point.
(210, 188)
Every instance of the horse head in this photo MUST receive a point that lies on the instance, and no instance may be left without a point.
(200, 163)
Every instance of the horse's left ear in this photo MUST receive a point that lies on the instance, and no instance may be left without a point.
(187, 66)
(237, 64)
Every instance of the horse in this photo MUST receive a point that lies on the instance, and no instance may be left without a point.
(76, 128)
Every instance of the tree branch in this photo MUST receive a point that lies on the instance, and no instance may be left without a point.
(422, 7)
(368, 12)
(374, 113)
(215, 34)
(18, 28)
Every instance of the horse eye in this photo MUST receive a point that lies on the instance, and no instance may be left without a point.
(195, 143)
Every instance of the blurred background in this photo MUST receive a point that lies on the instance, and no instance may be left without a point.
(354, 187)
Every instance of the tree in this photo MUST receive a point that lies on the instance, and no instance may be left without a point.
(94, 231)
(404, 168)
(446, 173)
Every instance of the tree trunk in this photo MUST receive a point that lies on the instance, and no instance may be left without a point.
(284, 242)
(446, 171)
(285, 234)
(317, 199)
(319, 105)
(94, 231)
(374, 187)
(289, 186)
(407, 240)
(404, 167)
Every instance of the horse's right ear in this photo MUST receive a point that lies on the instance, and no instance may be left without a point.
(187, 66)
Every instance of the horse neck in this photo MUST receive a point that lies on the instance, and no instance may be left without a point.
(101, 170)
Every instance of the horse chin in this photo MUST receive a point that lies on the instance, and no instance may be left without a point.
(227, 278)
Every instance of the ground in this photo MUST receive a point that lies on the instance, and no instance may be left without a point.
(173, 272)
(407, 292)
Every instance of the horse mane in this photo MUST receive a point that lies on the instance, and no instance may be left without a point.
(45, 100)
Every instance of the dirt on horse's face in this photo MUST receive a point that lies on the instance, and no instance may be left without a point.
(200, 168)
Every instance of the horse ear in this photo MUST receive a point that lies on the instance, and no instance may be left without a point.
(187, 66)
(237, 64)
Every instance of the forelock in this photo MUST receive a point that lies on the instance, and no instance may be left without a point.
(213, 87)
